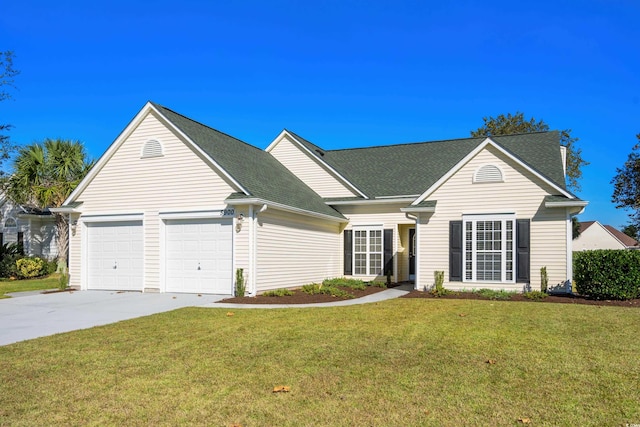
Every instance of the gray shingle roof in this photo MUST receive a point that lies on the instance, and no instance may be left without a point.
(412, 168)
(256, 170)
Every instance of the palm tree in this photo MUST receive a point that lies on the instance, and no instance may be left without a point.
(44, 176)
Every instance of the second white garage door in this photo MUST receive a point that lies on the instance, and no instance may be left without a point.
(199, 256)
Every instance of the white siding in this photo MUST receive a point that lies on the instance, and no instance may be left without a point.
(596, 237)
(520, 193)
(387, 216)
(294, 250)
(179, 180)
(309, 170)
(41, 238)
(241, 237)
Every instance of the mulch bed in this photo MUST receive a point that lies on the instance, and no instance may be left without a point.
(560, 299)
(300, 297)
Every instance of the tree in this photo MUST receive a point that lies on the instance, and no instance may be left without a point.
(575, 227)
(631, 230)
(44, 176)
(517, 123)
(7, 74)
(626, 185)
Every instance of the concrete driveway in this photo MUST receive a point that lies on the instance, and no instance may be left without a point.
(39, 315)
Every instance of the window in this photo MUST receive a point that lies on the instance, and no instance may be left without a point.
(10, 223)
(152, 148)
(488, 248)
(367, 252)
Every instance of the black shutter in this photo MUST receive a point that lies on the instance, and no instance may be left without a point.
(348, 252)
(522, 251)
(455, 251)
(388, 251)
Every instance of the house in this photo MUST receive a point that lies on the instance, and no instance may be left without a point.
(34, 230)
(176, 206)
(594, 235)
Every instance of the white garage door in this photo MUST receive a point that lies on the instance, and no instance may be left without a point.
(115, 255)
(199, 256)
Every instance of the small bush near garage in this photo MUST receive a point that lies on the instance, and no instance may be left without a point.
(607, 274)
(13, 264)
(29, 267)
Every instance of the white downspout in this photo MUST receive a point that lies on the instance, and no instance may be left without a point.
(254, 246)
(252, 266)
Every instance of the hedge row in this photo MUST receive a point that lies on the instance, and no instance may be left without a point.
(607, 274)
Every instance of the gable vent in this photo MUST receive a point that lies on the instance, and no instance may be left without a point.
(152, 148)
(488, 173)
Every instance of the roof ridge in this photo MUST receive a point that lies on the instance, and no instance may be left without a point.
(440, 141)
(206, 126)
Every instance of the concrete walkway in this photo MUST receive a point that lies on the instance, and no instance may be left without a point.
(29, 315)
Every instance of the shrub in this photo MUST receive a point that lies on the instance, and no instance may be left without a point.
(607, 274)
(49, 267)
(315, 289)
(377, 284)
(9, 250)
(438, 287)
(8, 267)
(544, 279)
(29, 267)
(344, 282)
(278, 293)
(495, 295)
(535, 295)
(63, 281)
(240, 283)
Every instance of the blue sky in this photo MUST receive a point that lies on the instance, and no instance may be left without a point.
(339, 73)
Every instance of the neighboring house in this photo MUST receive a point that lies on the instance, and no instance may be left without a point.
(176, 206)
(594, 235)
(33, 229)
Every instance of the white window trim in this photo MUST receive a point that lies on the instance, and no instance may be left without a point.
(368, 253)
(10, 227)
(474, 219)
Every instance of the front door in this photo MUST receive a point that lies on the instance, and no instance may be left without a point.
(412, 254)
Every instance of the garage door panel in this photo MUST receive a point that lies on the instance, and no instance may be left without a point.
(198, 255)
(115, 255)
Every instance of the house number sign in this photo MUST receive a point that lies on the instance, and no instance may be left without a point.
(227, 212)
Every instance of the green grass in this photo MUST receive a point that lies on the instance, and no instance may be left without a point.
(400, 362)
(8, 286)
(495, 295)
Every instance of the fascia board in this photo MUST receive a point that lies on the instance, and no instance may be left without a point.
(258, 201)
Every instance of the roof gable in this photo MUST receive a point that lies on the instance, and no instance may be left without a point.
(410, 169)
(306, 161)
(252, 171)
(260, 174)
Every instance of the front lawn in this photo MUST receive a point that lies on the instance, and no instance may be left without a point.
(400, 362)
(8, 286)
